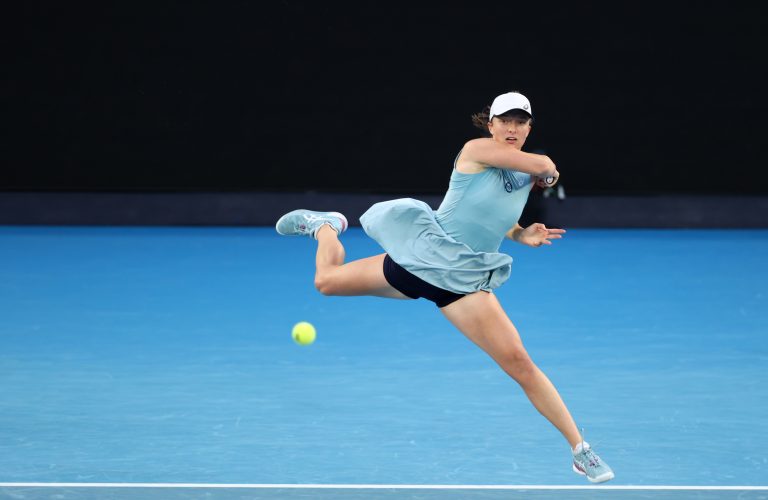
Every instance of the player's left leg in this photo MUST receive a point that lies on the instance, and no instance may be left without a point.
(359, 277)
(332, 275)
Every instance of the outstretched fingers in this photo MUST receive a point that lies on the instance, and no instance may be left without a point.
(545, 234)
(554, 234)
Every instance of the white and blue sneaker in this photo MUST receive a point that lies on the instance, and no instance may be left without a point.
(307, 222)
(587, 463)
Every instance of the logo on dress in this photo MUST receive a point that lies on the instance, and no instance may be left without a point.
(508, 186)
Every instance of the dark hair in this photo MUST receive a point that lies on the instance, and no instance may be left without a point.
(481, 119)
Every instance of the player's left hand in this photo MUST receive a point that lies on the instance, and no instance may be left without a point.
(538, 234)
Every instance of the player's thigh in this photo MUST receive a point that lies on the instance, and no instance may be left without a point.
(363, 277)
(480, 317)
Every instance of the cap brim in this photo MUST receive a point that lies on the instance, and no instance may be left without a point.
(514, 109)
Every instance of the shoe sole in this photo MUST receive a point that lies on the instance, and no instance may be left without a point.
(344, 223)
(599, 479)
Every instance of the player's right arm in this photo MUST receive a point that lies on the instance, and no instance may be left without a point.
(479, 154)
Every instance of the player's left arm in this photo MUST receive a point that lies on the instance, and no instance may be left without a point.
(535, 235)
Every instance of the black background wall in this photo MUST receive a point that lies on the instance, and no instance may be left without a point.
(376, 97)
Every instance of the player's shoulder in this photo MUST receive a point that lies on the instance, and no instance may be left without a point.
(480, 147)
(467, 161)
(478, 142)
(474, 155)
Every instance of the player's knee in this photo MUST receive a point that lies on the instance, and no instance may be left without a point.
(518, 364)
(325, 284)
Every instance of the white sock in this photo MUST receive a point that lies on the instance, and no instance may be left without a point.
(578, 448)
(314, 234)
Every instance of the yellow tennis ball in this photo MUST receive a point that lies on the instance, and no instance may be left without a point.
(303, 333)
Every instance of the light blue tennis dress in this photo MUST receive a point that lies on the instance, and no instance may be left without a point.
(455, 248)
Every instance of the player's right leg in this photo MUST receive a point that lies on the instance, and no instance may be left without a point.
(481, 318)
(332, 275)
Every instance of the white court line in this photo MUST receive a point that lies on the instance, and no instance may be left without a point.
(388, 486)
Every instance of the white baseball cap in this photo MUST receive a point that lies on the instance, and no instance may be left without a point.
(509, 101)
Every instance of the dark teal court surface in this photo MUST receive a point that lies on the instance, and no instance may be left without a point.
(163, 355)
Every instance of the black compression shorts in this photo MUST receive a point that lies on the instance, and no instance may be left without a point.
(415, 287)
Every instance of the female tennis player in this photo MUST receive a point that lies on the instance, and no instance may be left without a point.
(451, 256)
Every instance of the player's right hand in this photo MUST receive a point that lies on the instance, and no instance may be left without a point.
(542, 181)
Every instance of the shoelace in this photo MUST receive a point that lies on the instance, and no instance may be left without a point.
(314, 218)
(592, 459)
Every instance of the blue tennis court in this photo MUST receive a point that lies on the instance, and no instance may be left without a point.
(161, 356)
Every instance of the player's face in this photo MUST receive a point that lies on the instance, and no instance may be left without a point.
(510, 130)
